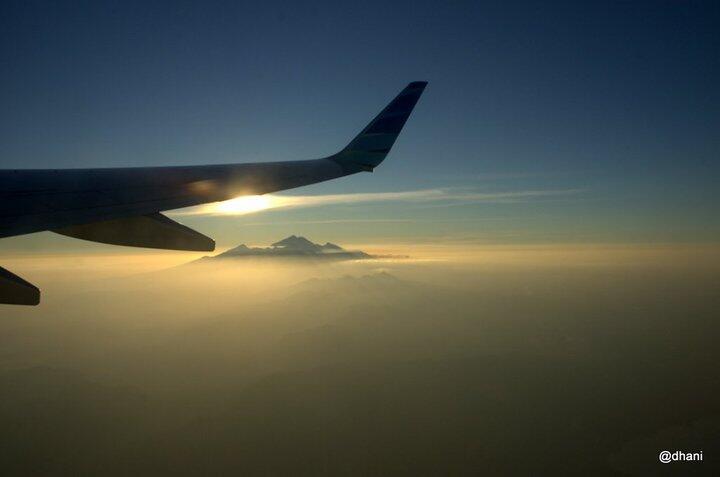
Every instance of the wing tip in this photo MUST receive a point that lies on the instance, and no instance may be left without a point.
(369, 148)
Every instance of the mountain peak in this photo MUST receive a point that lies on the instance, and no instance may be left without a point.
(296, 243)
(295, 246)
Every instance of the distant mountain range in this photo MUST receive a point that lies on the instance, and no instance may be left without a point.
(293, 247)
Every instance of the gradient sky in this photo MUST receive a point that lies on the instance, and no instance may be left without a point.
(558, 122)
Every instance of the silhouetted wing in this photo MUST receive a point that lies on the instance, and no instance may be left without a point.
(149, 231)
(33, 201)
(16, 291)
(38, 200)
(122, 206)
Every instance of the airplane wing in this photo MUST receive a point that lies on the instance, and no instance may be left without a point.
(123, 206)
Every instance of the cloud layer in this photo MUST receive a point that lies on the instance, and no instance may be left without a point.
(431, 197)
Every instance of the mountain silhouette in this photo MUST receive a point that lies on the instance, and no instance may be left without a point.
(293, 246)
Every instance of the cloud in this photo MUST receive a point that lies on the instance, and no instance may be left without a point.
(430, 197)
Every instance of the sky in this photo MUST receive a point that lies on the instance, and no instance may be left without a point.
(543, 122)
(545, 236)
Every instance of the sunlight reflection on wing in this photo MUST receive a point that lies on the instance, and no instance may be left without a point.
(243, 205)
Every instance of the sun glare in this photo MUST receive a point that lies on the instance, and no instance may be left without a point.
(244, 205)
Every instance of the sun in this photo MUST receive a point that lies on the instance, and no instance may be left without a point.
(244, 205)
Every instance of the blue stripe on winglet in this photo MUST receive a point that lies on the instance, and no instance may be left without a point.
(362, 151)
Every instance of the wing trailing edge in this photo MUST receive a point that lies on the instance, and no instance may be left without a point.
(148, 231)
(17, 291)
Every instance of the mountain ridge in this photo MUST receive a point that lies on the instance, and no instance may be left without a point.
(293, 246)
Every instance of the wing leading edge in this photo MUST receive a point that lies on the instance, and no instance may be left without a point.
(122, 206)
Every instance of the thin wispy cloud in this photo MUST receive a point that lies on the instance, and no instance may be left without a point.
(430, 197)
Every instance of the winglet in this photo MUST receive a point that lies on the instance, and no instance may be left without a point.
(370, 147)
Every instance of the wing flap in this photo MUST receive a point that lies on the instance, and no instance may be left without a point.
(17, 291)
(149, 231)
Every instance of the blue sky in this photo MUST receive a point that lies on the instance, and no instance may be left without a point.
(609, 109)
